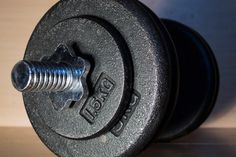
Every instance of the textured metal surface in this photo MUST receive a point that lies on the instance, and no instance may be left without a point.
(198, 85)
(108, 78)
(141, 87)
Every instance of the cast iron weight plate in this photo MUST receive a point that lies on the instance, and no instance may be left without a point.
(198, 81)
(140, 104)
(110, 80)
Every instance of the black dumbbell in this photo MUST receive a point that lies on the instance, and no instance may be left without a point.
(104, 77)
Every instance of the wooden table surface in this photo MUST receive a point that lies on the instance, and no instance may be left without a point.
(23, 142)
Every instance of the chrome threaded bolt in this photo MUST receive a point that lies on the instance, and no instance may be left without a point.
(32, 76)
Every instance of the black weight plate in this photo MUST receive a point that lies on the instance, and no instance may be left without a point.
(151, 78)
(110, 79)
(199, 82)
(174, 75)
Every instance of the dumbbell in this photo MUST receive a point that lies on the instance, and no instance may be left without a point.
(107, 77)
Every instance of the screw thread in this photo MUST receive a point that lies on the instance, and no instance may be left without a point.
(42, 76)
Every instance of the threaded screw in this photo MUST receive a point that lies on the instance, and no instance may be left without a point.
(32, 76)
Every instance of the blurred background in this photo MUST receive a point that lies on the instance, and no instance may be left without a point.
(215, 20)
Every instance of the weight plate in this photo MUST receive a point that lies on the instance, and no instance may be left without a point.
(150, 74)
(199, 82)
(174, 64)
(110, 79)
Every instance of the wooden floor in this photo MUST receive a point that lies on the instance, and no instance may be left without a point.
(23, 142)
